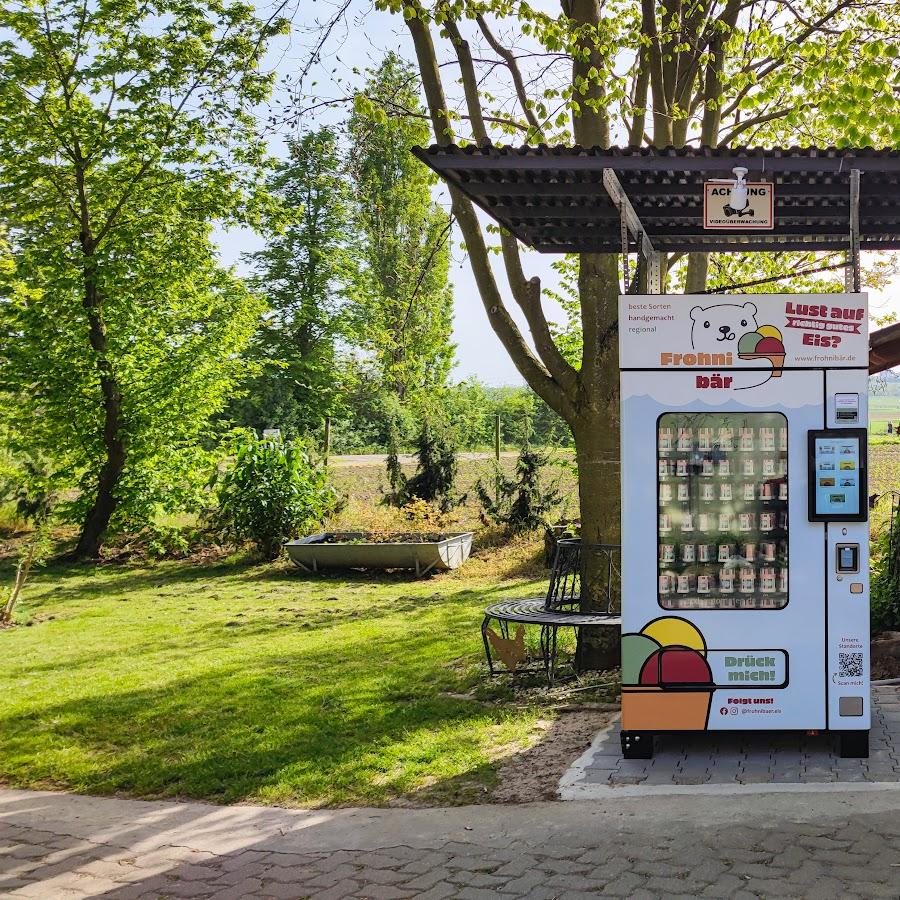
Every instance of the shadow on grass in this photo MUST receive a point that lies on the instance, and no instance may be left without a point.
(154, 841)
(306, 845)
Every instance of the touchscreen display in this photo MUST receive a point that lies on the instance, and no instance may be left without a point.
(837, 466)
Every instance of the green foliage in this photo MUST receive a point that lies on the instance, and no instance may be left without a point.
(302, 273)
(362, 419)
(568, 336)
(523, 503)
(126, 130)
(273, 492)
(798, 273)
(403, 247)
(885, 579)
(372, 420)
(524, 417)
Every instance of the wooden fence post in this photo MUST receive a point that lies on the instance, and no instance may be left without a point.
(497, 458)
(327, 439)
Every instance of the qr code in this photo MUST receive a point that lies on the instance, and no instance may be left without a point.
(850, 665)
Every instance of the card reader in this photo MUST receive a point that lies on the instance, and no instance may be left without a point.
(847, 558)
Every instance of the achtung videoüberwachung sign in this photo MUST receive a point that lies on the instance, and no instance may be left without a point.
(757, 215)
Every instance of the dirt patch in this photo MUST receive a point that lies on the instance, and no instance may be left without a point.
(886, 655)
(885, 668)
(533, 774)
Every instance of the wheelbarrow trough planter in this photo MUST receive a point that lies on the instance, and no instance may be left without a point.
(356, 550)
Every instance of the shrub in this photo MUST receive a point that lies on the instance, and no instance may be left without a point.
(33, 553)
(29, 484)
(271, 493)
(522, 502)
(424, 517)
(885, 582)
(435, 473)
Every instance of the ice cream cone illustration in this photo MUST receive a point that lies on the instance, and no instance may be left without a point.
(764, 343)
(667, 684)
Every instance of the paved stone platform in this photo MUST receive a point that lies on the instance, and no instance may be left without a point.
(740, 759)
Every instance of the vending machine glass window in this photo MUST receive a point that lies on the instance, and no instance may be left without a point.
(723, 510)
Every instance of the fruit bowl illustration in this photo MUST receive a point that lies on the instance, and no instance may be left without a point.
(667, 683)
(764, 343)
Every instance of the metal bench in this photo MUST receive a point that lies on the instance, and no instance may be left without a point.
(574, 565)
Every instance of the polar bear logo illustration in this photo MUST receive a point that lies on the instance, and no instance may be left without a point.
(718, 328)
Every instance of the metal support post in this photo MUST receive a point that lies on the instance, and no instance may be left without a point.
(497, 460)
(327, 439)
(852, 280)
(623, 225)
(654, 273)
(632, 223)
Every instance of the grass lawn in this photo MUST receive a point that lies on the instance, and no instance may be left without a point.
(234, 682)
(228, 681)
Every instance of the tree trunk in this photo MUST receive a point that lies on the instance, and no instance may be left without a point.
(96, 522)
(697, 269)
(595, 428)
(588, 399)
(597, 452)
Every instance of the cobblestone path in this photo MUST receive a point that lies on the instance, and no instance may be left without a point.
(815, 843)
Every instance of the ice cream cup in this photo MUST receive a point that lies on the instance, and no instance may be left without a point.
(657, 709)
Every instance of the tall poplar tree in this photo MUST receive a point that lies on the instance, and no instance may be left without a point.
(303, 274)
(403, 235)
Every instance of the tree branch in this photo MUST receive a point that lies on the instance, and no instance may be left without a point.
(639, 98)
(470, 82)
(662, 122)
(439, 242)
(509, 58)
(526, 291)
(537, 376)
(756, 120)
(323, 39)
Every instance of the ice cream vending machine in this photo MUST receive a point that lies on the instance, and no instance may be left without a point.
(745, 563)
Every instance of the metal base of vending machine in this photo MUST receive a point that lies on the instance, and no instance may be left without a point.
(639, 744)
(854, 744)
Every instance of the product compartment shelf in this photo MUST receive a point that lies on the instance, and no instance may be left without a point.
(722, 494)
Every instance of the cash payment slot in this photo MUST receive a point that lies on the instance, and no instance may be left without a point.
(847, 561)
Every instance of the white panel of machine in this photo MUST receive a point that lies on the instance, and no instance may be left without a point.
(787, 642)
(758, 331)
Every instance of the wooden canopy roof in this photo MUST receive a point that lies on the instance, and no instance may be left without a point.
(884, 349)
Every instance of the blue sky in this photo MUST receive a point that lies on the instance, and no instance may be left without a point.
(363, 43)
